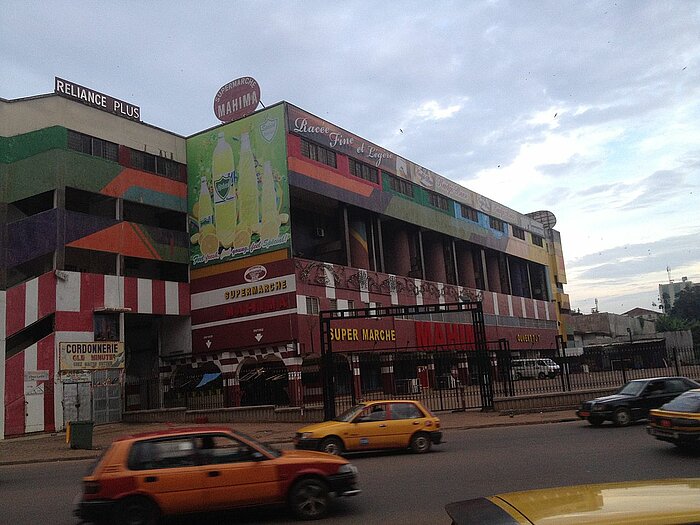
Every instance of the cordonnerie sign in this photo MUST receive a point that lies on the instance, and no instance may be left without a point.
(98, 355)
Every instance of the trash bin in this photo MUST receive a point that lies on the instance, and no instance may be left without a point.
(80, 434)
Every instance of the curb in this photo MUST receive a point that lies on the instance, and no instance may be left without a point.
(96, 452)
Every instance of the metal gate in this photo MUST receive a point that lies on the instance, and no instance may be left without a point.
(448, 377)
(107, 396)
(77, 402)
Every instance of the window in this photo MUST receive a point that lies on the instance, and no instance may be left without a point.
(405, 411)
(400, 185)
(155, 164)
(351, 304)
(222, 449)
(438, 201)
(93, 146)
(318, 153)
(363, 171)
(372, 413)
(470, 213)
(312, 305)
(537, 240)
(518, 232)
(106, 327)
(334, 304)
(171, 453)
(496, 224)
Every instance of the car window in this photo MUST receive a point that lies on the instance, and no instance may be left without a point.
(222, 449)
(655, 387)
(167, 453)
(404, 411)
(675, 385)
(372, 413)
(633, 388)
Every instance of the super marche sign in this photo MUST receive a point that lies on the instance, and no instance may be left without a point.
(96, 99)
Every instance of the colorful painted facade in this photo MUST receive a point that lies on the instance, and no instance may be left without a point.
(204, 262)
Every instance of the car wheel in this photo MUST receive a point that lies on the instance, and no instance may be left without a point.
(420, 443)
(332, 445)
(136, 511)
(596, 421)
(623, 417)
(309, 499)
(541, 375)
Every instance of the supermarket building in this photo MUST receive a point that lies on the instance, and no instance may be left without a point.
(132, 256)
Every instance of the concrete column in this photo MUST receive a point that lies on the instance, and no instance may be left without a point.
(494, 272)
(465, 266)
(359, 252)
(435, 260)
(398, 259)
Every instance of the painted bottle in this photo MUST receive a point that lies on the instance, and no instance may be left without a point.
(223, 181)
(269, 211)
(208, 242)
(248, 195)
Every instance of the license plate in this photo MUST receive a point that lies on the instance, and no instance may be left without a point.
(584, 414)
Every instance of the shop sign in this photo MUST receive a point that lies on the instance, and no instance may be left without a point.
(36, 375)
(97, 100)
(527, 338)
(236, 99)
(443, 334)
(335, 138)
(362, 334)
(98, 355)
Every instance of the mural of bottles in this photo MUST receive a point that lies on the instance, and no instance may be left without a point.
(238, 192)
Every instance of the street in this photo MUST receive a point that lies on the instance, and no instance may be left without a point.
(405, 488)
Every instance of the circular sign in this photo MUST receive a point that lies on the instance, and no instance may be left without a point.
(237, 99)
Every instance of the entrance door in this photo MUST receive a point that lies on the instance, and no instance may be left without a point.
(34, 407)
(77, 402)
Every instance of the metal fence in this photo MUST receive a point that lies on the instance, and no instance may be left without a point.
(442, 380)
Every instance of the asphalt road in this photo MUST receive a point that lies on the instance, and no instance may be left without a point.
(410, 489)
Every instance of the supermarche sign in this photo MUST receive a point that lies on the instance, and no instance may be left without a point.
(98, 355)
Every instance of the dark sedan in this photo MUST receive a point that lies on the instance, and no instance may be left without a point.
(634, 399)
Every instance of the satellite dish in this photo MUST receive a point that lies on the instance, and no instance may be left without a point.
(544, 217)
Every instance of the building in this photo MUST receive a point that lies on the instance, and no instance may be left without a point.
(668, 293)
(93, 255)
(280, 215)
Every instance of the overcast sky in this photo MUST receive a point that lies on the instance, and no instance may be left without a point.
(588, 109)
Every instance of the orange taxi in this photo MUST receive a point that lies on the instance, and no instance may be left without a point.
(372, 425)
(181, 471)
(678, 421)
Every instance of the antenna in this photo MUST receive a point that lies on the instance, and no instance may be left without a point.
(668, 271)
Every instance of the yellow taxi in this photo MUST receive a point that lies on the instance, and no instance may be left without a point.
(373, 425)
(188, 470)
(678, 421)
(655, 502)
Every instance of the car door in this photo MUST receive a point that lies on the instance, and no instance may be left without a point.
(653, 396)
(404, 420)
(168, 471)
(369, 429)
(236, 473)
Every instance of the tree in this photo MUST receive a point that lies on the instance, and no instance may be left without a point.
(687, 305)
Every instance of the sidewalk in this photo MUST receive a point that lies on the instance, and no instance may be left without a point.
(39, 448)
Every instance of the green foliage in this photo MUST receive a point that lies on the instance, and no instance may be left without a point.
(668, 323)
(687, 305)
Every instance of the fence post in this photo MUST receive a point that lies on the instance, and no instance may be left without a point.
(675, 360)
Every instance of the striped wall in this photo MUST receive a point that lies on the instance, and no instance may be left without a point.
(29, 405)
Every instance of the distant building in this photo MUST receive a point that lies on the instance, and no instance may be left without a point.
(643, 313)
(668, 293)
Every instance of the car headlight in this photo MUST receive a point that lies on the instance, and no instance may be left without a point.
(348, 468)
(305, 435)
(598, 408)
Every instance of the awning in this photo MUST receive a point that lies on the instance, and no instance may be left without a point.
(206, 378)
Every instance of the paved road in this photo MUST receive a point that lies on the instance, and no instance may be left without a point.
(406, 488)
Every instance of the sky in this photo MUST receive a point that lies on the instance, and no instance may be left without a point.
(589, 109)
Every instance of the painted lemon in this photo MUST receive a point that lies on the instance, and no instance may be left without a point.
(284, 218)
(195, 238)
(242, 238)
(209, 244)
(226, 238)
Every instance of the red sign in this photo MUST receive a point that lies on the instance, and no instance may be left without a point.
(237, 99)
(451, 335)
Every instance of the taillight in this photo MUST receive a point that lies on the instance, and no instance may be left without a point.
(665, 423)
(91, 487)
